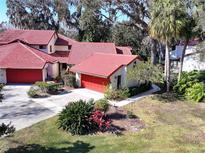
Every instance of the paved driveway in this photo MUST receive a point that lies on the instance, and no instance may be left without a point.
(23, 111)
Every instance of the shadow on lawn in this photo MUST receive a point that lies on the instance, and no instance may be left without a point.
(76, 147)
(168, 97)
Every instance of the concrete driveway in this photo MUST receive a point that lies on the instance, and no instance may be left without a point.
(23, 111)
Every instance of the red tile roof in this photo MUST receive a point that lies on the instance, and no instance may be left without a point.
(18, 55)
(34, 37)
(82, 50)
(61, 56)
(103, 65)
(124, 50)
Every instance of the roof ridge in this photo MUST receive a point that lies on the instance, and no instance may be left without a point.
(27, 47)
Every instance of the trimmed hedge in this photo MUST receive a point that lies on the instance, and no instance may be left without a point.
(121, 94)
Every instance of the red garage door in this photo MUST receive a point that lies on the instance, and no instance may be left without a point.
(23, 75)
(94, 83)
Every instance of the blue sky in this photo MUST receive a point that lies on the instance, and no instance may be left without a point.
(3, 9)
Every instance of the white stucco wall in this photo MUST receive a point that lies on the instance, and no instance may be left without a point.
(113, 78)
(194, 62)
(123, 72)
(61, 48)
(3, 75)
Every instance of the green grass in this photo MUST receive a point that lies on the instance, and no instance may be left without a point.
(176, 126)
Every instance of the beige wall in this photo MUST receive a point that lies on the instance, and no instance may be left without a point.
(52, 44)
(53, 70)
(78, 79)
(3, 76)
(124, 81)
(61, 48)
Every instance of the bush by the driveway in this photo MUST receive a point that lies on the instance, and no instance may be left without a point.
(75, 118)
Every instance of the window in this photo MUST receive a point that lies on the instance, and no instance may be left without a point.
(50, 48)
(69, 47)
(42, 47)
(64, 66)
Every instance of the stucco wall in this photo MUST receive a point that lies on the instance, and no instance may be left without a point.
(61, 48)
(44, 72)
(3, 76)
(194, 62)
(78, 79)
(124, 81)
(51, 43)
(53, 70)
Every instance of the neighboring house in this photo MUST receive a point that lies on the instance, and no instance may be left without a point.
(27, 56)
(192, 59)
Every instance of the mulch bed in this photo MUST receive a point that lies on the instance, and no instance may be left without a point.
(120, 121)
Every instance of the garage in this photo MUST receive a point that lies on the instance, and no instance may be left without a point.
(94, 83)
(23, 75)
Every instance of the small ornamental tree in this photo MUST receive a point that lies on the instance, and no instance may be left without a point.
(145, 71)
(101, 119)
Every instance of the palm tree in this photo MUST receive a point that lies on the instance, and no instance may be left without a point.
(166, 23)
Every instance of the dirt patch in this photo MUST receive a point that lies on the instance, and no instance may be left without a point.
(120, 121)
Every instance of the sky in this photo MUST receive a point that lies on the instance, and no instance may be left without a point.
(3, 9)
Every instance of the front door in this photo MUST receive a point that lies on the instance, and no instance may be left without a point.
(118, 81)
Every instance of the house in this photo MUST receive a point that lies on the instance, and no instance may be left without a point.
(27, 56)
(100, 70)
(192, 58)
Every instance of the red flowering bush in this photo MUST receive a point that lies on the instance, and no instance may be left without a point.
(101, 119)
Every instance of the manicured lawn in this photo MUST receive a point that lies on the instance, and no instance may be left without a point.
(171, 126)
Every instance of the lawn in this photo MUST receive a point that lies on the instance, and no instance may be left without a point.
(170, 126)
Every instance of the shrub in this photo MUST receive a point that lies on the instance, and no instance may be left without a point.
(139, 89)
(118, 94)
(102, 105)
(42, 85)
(53, 88)
(70, 80)
(48, 87)
(195, 92)
(33, 92)
(1, 86)
(6, 129)
(191, 85)
(102, 121)
(75, 118)
(188, 79)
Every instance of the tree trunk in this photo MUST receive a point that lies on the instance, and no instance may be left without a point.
(167, 66)
(153, 51)
(182, 59)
